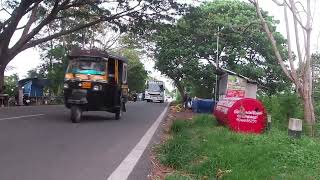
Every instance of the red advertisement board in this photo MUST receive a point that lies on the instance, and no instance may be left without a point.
(241, 114)
(235, 93)
(235, 87)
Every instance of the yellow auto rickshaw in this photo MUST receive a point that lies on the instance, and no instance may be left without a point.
(95, 81)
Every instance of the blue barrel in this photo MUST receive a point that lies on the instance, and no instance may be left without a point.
(203, 105)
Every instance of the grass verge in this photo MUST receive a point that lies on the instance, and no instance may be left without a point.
(199, 149)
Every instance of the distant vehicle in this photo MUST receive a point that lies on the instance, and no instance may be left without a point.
(155, 91)
(140, 97)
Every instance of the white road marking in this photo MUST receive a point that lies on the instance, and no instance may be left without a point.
(18, 117)
(126, 166)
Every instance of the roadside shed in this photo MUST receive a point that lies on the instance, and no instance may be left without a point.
(232, 84)
(33, 87)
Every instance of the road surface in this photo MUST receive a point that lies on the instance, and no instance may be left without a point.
(40, 143)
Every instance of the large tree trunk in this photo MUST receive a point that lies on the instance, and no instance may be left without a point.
(4, 60)
(309, 115)
(2, 68)
(180, 88)
(302, 79)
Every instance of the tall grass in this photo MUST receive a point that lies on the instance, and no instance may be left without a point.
(199, 149)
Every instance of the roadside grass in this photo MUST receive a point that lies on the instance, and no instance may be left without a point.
(199, 149)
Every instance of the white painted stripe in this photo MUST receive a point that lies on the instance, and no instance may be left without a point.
(18, 117)
(126, 166)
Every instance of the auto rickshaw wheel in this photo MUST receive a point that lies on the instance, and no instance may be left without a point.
(118, 115)
(76, 114)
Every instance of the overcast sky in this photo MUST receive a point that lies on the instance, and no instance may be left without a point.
(30, 58)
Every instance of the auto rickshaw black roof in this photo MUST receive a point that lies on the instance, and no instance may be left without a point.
(95, 53)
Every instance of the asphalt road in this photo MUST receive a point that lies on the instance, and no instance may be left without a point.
(40, 143)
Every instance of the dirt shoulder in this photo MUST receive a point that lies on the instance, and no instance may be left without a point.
(160, 171)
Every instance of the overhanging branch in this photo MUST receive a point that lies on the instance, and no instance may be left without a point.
(62, 33)
(273, 42)
(296, 33)
(28, 36)
(296, 15)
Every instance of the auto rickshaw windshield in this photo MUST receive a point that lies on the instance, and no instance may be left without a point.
(87, 66)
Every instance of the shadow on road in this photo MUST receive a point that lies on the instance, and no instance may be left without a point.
(87, 118)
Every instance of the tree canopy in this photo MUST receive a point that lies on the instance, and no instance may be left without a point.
(40, 21)
(11, 83)
(137, 75)
(243, 46)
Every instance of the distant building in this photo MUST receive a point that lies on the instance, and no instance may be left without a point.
(31, 89)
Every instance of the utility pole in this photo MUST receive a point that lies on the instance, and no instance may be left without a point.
(217, 67)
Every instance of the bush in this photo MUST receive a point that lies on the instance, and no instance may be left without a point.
(177, 126)
(179, 98)
(282, 107)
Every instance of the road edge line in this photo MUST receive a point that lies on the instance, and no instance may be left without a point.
(18, 117)
(127, 165)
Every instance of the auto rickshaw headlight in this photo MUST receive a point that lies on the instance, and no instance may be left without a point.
(96, 88)
(69, 76)
(66, 85)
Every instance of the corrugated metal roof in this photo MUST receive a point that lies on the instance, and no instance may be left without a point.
(95, 53)
(221, 71)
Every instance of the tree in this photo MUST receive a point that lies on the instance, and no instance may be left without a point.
(300, 76)
(54, 65)
(52, 68)
(243, 48)
(170, 59)
(137, 75)
(34, 73)
(67, 16)
(201, 82)
(11, 83)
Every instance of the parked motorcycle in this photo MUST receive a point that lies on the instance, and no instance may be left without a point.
(135, 97)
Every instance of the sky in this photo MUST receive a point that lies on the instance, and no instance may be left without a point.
(30, 58)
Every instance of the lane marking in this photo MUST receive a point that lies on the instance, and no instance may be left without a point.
(18, 117)
(123, 171)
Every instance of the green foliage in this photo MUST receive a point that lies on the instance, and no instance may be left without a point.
(52, 68)
(56, 70)
(177, 176)
(179, 98)
(177, 126)
(202, 150)
(246, 49)
(34, 73)
(201, 83)
(137, 75)
(11, 83)
(315, 60)
(74, 21)
(282, 107)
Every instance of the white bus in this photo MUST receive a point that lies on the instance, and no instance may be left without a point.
(155, 91)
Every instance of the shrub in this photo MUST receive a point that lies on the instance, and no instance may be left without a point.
(282, 107)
